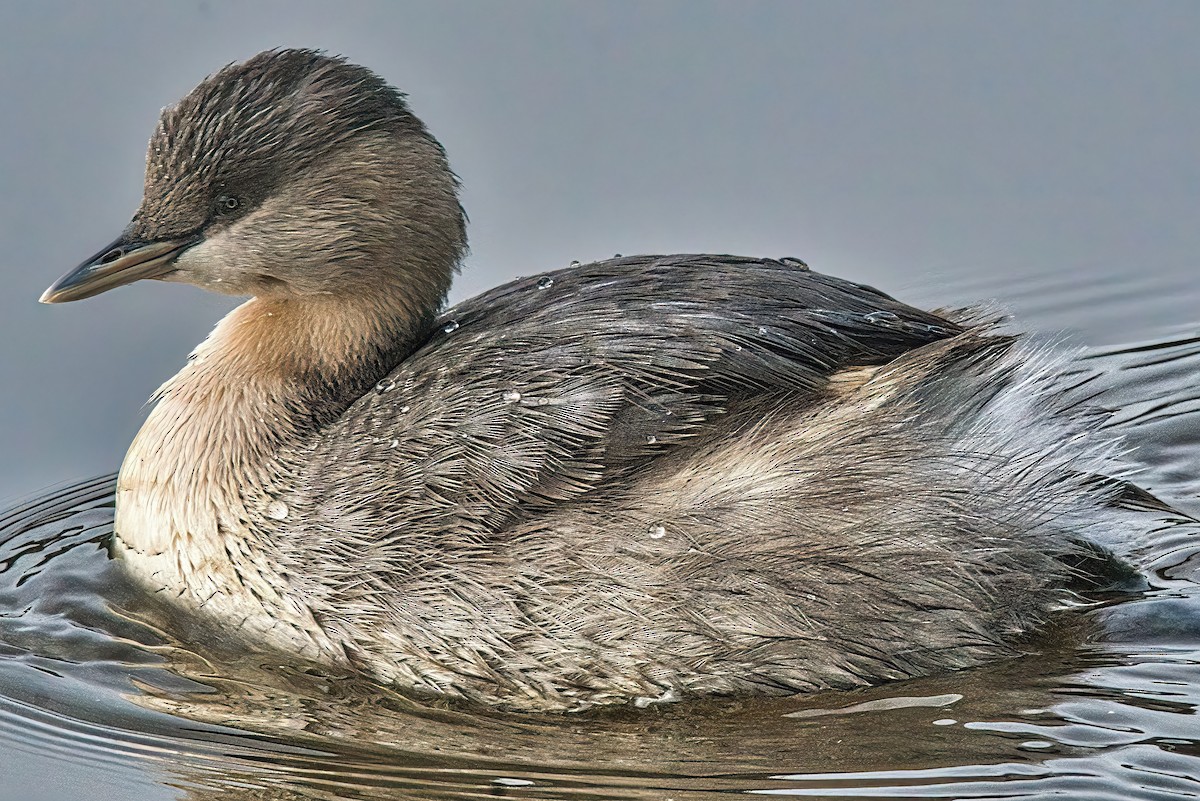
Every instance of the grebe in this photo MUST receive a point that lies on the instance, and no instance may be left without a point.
(643, 478)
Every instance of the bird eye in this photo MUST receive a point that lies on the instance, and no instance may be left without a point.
(227, 204)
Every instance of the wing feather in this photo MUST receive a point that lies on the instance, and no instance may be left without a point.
(542, 389)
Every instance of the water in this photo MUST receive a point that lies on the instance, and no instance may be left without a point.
(98, 680)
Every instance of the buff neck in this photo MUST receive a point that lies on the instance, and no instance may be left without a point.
(197, 496)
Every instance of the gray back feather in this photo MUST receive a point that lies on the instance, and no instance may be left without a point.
(634, 478)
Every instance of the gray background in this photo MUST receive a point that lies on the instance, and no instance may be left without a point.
(1039, 153)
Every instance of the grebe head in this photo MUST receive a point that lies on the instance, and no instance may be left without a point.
(292, 174)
